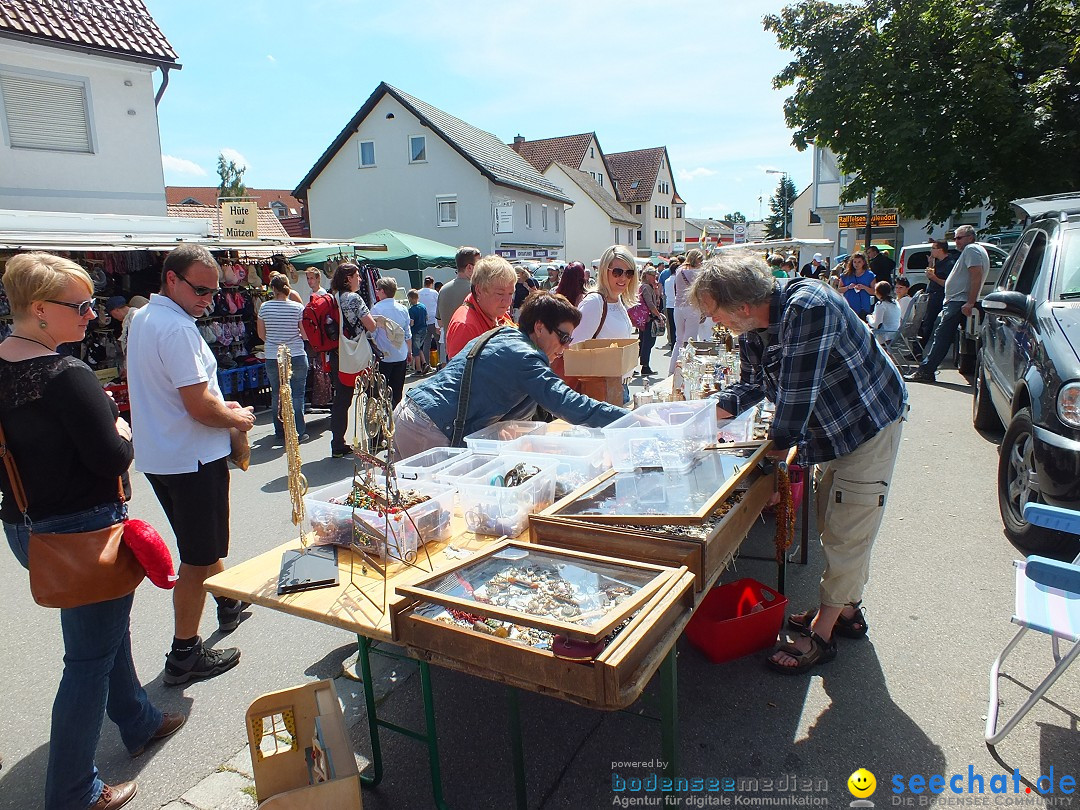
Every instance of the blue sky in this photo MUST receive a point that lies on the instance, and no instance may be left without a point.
(272, 83)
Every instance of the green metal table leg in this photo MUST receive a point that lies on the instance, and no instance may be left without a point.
(517, 748)
(362, 658)
(432, 736)
(669, 714)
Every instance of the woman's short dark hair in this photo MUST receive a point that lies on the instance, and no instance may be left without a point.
(548, 308)
(340, 282)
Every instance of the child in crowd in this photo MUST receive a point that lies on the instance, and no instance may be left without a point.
(418, 322)
(885, 319)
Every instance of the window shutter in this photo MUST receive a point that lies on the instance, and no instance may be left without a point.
(45, 114)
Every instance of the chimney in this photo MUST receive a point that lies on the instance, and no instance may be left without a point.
(518, 141)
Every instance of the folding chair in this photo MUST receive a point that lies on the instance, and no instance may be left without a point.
(905, 346)
(1047, 600)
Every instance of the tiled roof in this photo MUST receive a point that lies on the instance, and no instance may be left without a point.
(269, 224)
(613, 209)
(568, 150)
(117, 26)
(489, 155)
(295, 226)
(714, 225)
(636, 173)
(207, 195)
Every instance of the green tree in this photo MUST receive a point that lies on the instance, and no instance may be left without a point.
(778, 223)
(232, 178)
(738, 216)
(940, 106)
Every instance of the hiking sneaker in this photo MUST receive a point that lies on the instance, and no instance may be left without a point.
(228, 616)
(198, 664)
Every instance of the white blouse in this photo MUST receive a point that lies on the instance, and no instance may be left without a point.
(616, 324)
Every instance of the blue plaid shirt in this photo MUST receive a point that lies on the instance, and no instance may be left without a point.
(833, 385)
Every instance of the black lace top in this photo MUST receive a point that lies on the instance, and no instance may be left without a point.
(61, 429)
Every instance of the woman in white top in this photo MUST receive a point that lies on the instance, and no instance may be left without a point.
(688, 318)
(885, 318)
(279, 323)
(395, 356)
(603, 312)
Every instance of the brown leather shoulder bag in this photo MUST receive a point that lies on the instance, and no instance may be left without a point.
(75, 568)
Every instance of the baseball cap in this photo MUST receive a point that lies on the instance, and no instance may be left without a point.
(115, 302)
(818, 257)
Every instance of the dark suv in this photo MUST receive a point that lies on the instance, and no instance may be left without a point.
(1028, 372)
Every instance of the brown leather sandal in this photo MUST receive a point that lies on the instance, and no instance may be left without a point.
(853, 627)
(820, 652)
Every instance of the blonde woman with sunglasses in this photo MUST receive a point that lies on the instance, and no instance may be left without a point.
(603, 311)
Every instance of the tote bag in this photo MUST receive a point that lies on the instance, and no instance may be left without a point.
(354, 355)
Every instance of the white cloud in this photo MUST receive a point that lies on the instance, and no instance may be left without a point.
(693, 174)
(231, 154)
(180, 166)
(270, 58)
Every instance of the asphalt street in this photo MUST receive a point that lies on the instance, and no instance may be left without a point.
(909, 700)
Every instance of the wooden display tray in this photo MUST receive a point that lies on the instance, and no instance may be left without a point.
(722, 494)
(613, 680)
(706, 559)
(420, 591)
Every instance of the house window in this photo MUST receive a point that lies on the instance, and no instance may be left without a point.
(543, 217)
(367, 154)
(639, 236)
(279, 209)
(600, 180)
(678, 212)
(417, 149)
(48, 114)
(592, 154)
(616, 237)
(528, 215)
(446, 205)
(678, 236)
(557, 222)
(637, 209)
(630, 236)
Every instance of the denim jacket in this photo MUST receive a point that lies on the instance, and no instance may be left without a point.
(510, 377)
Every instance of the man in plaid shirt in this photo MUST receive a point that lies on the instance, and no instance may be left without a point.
(838, 397)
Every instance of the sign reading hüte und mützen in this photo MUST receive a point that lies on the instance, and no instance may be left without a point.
(240, 219)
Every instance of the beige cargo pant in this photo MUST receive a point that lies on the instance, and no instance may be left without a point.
(851, 495)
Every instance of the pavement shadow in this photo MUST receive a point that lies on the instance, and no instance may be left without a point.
(22, 783)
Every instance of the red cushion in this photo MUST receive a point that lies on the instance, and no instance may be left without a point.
(151, 552)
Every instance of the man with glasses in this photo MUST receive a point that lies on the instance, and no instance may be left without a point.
(180, 430)
(961, 292)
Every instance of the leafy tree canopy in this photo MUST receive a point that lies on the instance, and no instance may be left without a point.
(939, 104)
(231, 177)
(738, 216)
(780, 209)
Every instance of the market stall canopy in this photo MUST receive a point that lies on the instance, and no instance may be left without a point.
(403, 252)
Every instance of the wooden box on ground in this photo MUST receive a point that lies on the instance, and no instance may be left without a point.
(280, 727)
(603, 357)
(613, 679)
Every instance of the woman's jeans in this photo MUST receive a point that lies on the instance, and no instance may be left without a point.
(646, 341)
(298, 385)
(99, 676)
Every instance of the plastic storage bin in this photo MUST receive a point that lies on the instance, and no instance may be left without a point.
(737, 429)
(496, 510)
(567, 431)
(737, 619)
(492, 440)
(335, 523)
(425, 465)
(579, 460)
(663, 434)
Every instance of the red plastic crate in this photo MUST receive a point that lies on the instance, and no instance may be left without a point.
(737, 619)
(119, 393)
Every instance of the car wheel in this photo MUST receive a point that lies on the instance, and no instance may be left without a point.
(1018, 484)
(983, 415)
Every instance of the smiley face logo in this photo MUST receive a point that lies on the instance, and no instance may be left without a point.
(861, 783)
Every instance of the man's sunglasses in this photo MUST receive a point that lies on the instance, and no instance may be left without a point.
(564, 337)
(199, 290)
(82, 307)
(619, 272)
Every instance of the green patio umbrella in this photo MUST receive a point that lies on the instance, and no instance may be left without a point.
(404, 251)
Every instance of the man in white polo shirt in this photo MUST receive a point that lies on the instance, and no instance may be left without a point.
(182, 445)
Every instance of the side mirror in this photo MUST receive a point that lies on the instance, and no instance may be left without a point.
(1007, 302)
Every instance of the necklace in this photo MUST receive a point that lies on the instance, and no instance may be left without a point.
(31, 340)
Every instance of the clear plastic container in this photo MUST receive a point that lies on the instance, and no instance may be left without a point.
(396, 537)
(737, 429)
(579, 460)
(494, 509)
(425, 465)
(461, 467)
(568, 431)
(492, 440)
(663, 434)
